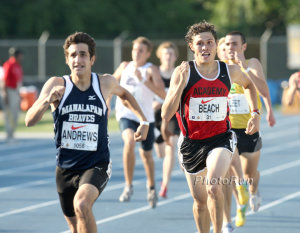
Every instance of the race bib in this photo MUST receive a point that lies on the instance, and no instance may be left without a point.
(238, 104)
(208, 109)
(79, 136)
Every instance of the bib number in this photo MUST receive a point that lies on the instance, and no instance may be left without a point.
(238, 104)
(79, 136)
(208, 109)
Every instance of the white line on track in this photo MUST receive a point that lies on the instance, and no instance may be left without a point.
(27, 154)
(28, 208)
(27, 168)
(54, 202)
(268, 206)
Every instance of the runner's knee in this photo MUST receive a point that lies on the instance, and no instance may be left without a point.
(214, 190)
(82, 207)
(200, 205)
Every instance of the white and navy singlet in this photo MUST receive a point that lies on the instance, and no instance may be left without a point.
(204, 111)
(80, 126)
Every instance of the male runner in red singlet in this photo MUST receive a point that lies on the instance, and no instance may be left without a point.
(198, 92)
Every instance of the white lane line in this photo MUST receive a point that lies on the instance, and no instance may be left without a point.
(141, 209)
(27, 168)
(276, 202)
(144, 208)
(24, 144)
(281, 146)
(269, 205)
(280, 168)
(52, 180)
(29, 208)
(26, 185)
(27, 154)
(117, 186)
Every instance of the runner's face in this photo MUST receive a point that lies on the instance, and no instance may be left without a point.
(204, 47)
(140, 53)
(168, 57)
(222, 52)
(79, 60)
(233, 44)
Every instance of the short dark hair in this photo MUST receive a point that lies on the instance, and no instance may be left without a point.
(238, 33)
(14, 51)
(198, 28)
(80, 37)
(145, 41)
(166, 45)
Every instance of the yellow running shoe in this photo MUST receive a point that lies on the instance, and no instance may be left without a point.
(240, 217)
(243, 194)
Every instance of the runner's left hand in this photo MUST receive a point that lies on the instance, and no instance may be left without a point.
(141, 133)
(253, 125)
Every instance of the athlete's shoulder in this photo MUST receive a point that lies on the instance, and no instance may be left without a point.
(107, 80)
(253, 62)
(55, 81)
(233, 67)
(153, 68)
(124, 64)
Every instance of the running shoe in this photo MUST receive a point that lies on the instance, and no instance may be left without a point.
(152, 197)
(127, 193)
(163, 191)
(255, 201)
(243, 194)
(228, 228)
(240, 217)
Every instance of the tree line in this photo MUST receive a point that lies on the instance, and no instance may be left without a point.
(106, 19)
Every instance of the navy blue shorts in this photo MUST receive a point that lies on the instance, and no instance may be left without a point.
(146, 145)
(68, 182)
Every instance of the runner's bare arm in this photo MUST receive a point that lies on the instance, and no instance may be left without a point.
(118, 72)
(237, 76)
(154, 82)
(257, 76)
(112, 87)
(50, 95)
(171, 103)
(177, 84)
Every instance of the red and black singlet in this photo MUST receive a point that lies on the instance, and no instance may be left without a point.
(203, 111)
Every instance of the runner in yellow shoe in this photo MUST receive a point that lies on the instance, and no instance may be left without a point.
(248, 146)
(235, 171)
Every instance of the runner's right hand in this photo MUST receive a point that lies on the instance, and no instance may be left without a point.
(141, 133)
(56, 94)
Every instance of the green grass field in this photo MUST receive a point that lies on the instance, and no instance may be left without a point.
(46, 124)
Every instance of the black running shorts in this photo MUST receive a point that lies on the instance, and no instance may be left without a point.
(173, 126)
(193, 153)
(68, 182)
(247, 143)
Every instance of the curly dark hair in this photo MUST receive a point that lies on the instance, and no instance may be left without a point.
(80, 37)
(198, 28)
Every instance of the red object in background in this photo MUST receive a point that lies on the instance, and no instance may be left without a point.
(28, 97)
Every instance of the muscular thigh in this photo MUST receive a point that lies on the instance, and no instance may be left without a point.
(250, 161)
(69, 181)
(197, 185)
(218, 162)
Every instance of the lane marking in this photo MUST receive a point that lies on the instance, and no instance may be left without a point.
(269, 205)
(29, 208)
(117, 186)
